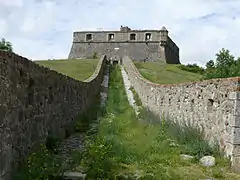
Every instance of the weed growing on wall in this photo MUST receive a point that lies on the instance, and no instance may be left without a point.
(136, 97)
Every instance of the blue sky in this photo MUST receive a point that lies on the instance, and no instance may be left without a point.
(42, 29)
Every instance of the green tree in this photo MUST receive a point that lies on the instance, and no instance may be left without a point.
(224, 66)
(225, 63)
(210, 64)
(5, 45)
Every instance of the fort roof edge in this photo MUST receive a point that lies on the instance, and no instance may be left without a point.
(115, 31)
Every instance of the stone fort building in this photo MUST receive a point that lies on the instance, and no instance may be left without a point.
(142, 45)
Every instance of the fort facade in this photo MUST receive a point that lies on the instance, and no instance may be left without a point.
(141, 45)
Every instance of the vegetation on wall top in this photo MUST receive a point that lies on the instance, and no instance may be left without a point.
(225, 65)
(6, 45)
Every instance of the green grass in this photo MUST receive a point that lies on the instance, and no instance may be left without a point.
(165, 73)
(76, 68)
(120, 144)
(126, 146)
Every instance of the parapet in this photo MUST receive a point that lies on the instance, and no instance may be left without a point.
(125, 34)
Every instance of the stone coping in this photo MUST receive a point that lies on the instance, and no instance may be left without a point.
(97, 70)
(27, 62)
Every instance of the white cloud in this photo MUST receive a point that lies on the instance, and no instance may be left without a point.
(39, 19)
(3, 27)
(28, 24)
(11, 2)
(200, 28)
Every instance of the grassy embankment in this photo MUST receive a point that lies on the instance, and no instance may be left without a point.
(125, 146)
(165, 73)
(79, 69)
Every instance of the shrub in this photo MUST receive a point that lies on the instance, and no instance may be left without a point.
(5, 45)
(192, 68)
(41, 165)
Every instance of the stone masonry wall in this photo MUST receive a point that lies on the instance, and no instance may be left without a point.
(160, 47)
(213, 106)
(137, 51)
(171, 52)
(36, 102)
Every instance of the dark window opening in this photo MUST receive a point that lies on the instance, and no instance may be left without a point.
(88, 37)
(111, 37)
(20, 118)
(50, 95)
(20, 73)
(132, 36)
(31, 83)
(67, 133)
(148, 36)
(210, 105)
(30, 98)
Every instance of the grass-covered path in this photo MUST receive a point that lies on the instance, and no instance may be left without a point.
(121, 145)
(129, 147)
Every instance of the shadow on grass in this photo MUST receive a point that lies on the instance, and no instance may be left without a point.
(190, 139)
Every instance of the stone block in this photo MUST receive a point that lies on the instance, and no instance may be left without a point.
(235, 164)
(234, 95)
(236, 135)
(237, 108)
(236, 150)
(232, 120)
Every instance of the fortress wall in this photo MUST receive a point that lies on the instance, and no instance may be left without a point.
(102, 36)
(36, 102)
(137, 51)
(211, 105)
(172, 52)
(159, 48)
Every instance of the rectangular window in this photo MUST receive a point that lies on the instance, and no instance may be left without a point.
(111, 37)
(88, 37)
(132, 37)
(148, 36)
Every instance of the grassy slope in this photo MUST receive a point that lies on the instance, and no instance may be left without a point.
(75, 68)
(165, 73)
(127, 146)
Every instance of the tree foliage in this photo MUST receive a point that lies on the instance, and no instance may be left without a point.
(224, 66)
(5, 45)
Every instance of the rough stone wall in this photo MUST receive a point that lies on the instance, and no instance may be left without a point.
(212, 106)
(159, 48)
(36, 102)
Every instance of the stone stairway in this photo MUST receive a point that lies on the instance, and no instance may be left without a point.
(74, 142)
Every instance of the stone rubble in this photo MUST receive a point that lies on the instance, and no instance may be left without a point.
(207, 161)
(186, 157)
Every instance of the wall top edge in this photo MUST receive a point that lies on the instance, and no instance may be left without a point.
(27, 63)
(130, 31)
(210, 81)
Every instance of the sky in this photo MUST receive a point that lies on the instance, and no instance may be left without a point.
(43, 29)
